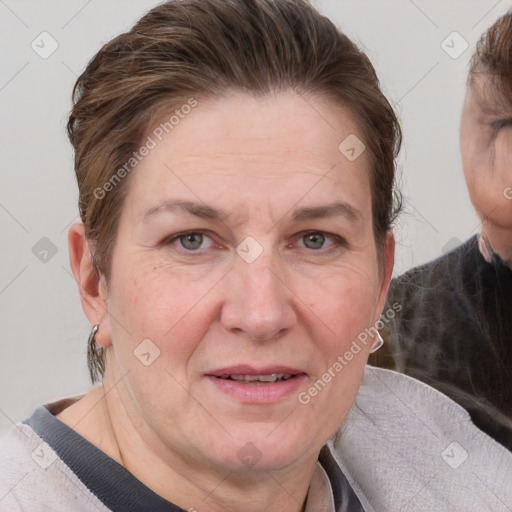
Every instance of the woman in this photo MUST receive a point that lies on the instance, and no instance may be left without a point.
(235, 163)
(454, 330)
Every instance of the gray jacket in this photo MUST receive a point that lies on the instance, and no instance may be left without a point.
(403, 447)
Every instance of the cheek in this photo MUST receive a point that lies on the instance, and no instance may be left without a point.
(345, 304)
(354, 285)
(503, 158)
(477, 161)
(476, 148)
(488, 175)
(162, 305)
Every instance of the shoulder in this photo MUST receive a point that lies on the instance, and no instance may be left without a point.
(439, 292)
(34, 478)
(442, 271)
(405, 443)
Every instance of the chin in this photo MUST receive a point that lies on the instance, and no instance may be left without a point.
(261, 452)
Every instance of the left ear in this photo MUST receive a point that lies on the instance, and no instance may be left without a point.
(386, 271)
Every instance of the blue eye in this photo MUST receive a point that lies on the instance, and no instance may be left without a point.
(502, 123)
(314, 240)
(191, 241)
(322, 242)
(188, 242)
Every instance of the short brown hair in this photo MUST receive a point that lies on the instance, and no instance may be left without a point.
(187, 48)
(493, 58)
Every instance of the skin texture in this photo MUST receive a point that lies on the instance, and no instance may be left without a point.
(486, 149)
(259, 160)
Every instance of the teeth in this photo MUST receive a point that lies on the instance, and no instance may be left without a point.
(273, 377)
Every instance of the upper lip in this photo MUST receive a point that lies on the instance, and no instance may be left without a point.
(244, 369)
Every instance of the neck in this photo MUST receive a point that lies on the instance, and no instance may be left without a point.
(179, 476)
(500, 240)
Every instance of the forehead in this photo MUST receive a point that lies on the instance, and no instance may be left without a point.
(241, 146)
(489, 94)
(281, 122)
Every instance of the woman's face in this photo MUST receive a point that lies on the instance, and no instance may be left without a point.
(245, 250)
(486, 149)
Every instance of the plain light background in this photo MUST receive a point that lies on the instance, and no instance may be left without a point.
(43, 329)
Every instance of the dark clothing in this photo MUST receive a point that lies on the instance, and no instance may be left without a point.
(454, 332)
(115, 486)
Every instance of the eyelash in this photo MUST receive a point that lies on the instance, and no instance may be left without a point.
(338, 241)
(175, 238)
(502, 123)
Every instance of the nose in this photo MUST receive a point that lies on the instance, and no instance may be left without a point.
(258, 303)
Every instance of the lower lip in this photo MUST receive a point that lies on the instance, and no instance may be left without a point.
(259, 393)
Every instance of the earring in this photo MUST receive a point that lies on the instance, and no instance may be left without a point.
(378, 343)
(93, 333)
(95, 357)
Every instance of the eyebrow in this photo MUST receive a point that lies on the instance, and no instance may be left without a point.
(203, 211)
(200, 210)
(492, 103)
(336, 209)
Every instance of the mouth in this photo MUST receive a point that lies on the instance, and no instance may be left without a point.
(258, 380)
(263, 385)
(245, 374)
